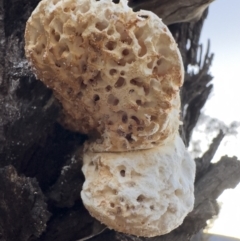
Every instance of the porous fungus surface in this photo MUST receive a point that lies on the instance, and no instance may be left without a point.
(145, 192)
(116, 72)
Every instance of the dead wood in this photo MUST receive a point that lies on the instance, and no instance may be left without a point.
(173, 11)
(40, 162)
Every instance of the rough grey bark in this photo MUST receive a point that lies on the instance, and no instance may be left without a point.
(40, 162)
(172, 11)
(22, 206)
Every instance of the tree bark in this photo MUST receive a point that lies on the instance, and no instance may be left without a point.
(40, 161)
(172, 11)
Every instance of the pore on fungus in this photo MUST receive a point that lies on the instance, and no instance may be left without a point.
(117, 75)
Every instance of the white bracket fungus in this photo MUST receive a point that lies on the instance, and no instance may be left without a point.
(117, 74)
(145, 193)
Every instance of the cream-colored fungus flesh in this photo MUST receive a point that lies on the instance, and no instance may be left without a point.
(145, 192)
(117, 75)
(116, 72)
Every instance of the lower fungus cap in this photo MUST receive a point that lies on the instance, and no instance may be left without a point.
(144, 193)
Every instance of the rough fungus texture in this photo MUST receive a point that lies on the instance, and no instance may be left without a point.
(149, 192)
(31, 141)
(116, 72)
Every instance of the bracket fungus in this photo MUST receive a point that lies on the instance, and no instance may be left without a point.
(117, 75)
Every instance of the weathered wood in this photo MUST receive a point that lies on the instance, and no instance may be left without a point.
(2, 43)
(173, 11)
(23, 211)
(65, 191)
(204, 162)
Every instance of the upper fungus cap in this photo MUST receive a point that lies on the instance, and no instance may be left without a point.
(116, 72)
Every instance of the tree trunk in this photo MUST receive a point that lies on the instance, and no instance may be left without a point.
(40, 161)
